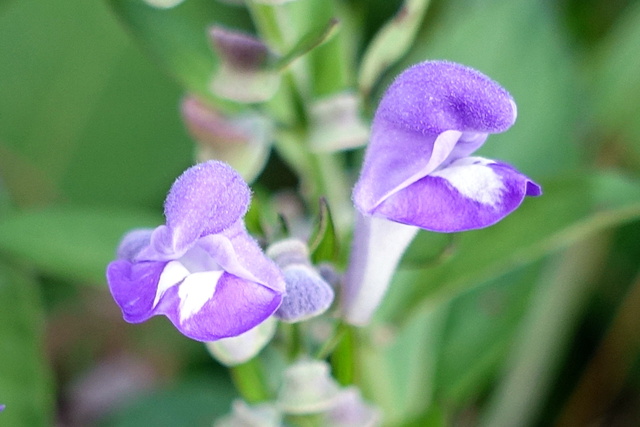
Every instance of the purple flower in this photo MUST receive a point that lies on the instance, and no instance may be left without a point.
(418, 169)
(418, 172)
(202, 270)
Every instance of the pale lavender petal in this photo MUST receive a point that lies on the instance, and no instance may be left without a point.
(205, 199)
(433, 113)
(250, 256)
(133, 242)
(378, 245)
(308, 295)
(235, 306)
(134, 287)
(470, 193)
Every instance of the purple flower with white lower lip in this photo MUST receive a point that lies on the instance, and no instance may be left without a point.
(202, 270)
(417, 168)
(418, 173)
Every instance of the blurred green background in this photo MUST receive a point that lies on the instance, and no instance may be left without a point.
(531, 322)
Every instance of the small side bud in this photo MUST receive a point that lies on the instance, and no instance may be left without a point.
(244, 415)
(308, 388)
(350, 410)
(307, 293)
(244, 74)
(242, 141)
(336, 124)
(242, 348)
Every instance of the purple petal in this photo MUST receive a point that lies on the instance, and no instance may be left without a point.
(433, 113)
(205, 199)
(134, 287)
(133, 242)
(235, 306)
(436, 96)
(470, 193)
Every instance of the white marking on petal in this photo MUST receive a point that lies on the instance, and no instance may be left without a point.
(174, 272)
(474, 179)
(195, 291)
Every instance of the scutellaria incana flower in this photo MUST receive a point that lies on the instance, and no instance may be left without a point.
(418, 169)
(202, 269)
(418, 172)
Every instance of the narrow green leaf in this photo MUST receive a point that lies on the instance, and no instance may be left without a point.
(25, 379)
(323, 244)
(391, 43)
(479, 332)
(70, 242)
(309, 41)
(615, 80)
(544, 335)
(399, 371)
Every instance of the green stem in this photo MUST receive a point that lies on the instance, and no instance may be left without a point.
(343, 359)
(330, 345)
(250, 381)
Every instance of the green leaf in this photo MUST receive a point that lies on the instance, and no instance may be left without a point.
(323, 244)
(25, 380)
(615, 80)
(391, 42)
(309, 41)
(178, 37)
(75, 117)
(192, 403)
(479, 332)
(399, 370)
(70, 242)
(570, 209)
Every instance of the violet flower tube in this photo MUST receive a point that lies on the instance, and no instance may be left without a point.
(202, 270)
(418, 172)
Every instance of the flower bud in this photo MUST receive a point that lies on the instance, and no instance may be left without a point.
(244, 415)
(336, 124)
(307, 388)
(242, 141)
(243, 75)
(351, 411)
(307, 293)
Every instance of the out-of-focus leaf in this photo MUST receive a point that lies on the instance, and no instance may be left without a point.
(25, 380)
(400, 369)
(178, 36)
(391, 43)
(75, 122)
(616, 80)
(323, 244)
(70, 242)
(479, 332)
(570, 209)
(544, 335)
(332, 64)
(193, 403)
(516, 43)
(309, 41)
